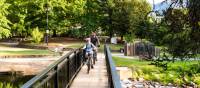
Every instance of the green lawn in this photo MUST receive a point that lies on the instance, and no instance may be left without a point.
(112, 47)
(26, 52)
(177, 73)
(116, 46)
(121, 62)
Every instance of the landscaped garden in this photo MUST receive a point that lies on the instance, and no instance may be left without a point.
(178, 73)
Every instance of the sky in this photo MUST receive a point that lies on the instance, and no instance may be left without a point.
(158, 6)
(156, 1)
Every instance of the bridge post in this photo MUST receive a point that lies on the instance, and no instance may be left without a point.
(75, 60)
(68, 79)
(56, 77)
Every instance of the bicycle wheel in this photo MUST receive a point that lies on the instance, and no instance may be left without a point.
(94, 57)
(88, 64)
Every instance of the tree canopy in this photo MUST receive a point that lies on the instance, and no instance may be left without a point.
(4, 22)
(179, 30)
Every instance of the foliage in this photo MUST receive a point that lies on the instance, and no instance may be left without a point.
(6, 85)
(177, 73)
(178, 30)
(26, 15)
(123, 17)
(113, 16)
(129, 37)
(120, 17)
(4, 22)
(36, 35)
(138, 14)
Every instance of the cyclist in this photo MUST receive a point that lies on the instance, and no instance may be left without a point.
(89, 48)
(95, 41)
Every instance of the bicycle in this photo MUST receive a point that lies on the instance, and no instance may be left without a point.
(89, 62)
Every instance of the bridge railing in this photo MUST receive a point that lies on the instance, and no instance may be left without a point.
(113, 77)
(59, 74)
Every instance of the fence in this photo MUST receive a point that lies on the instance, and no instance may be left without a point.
(114, 80)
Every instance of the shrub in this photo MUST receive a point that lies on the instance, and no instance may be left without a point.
(6, 85)
(155, 77)
(178, 81)
(197, 80)
(129, 37)
(36, 35)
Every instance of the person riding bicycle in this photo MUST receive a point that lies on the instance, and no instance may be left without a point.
(89, 48)
(95, 41)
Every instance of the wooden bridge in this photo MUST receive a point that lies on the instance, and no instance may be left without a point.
(70, 72)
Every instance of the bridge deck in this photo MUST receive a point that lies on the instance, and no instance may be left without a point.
(97, 78)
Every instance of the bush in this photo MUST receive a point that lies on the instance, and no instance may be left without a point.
(129, 37)
(6, 85)
(36, 35)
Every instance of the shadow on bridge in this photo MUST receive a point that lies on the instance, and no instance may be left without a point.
(70, 72)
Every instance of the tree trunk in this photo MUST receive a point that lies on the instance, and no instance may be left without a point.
(110, 35)
(110, 22)
(122, 37)
(54, 33)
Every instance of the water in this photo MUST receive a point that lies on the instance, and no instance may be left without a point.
(8, 80)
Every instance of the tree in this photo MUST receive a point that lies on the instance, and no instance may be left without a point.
(26, 15)
(138, 15)
(179, 31)
(4, 22)
(120, 18)
(123, 17)
(90, 18)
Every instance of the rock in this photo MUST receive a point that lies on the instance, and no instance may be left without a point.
(141, 79)
(184, 86)
(126, 84)
(139, 86)
(150, 86)
(157, 83)
(162, 87)
(123, 85)
(192, 84)
(157, 86)
(170, 84)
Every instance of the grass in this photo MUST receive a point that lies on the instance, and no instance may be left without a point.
(112, 47)
(116, 46)
(177, 73)
(25, 52)
(121, 62)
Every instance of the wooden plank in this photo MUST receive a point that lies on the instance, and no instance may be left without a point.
(97, 78)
